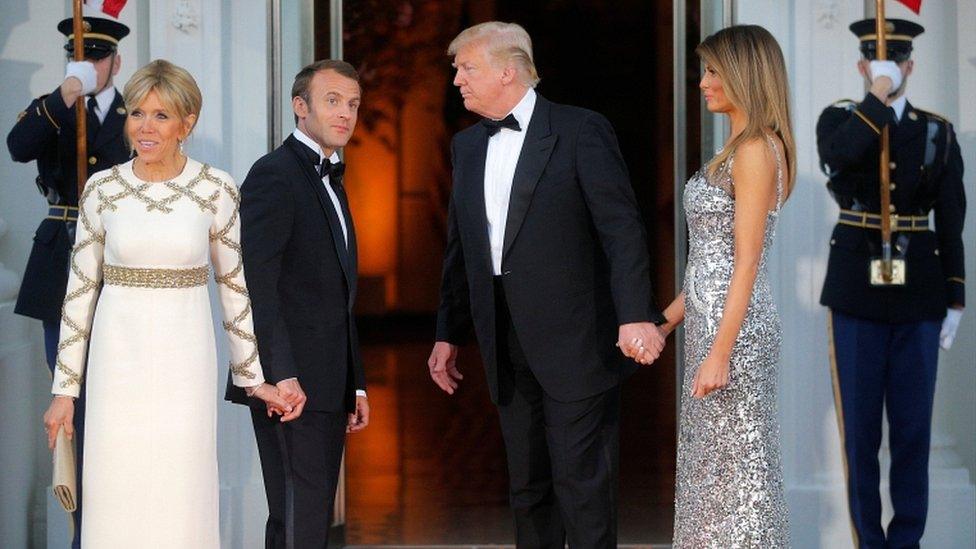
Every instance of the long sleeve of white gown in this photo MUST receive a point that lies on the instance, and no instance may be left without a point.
(84, 284)
(228, 262)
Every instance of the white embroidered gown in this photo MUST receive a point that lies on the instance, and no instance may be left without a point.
(137, 298)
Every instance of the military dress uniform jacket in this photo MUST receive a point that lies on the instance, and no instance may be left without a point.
(46, 132)
(926, 175)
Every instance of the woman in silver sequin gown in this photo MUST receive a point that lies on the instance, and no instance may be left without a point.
(729, 489)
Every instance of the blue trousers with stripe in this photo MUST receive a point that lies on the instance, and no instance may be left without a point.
(885, 367)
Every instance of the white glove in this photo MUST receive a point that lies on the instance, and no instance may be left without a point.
(889, 69)
(949, 327)
(84, 71)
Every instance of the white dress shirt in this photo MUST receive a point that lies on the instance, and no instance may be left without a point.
(899, 106)
(300, 135)
(504, 149)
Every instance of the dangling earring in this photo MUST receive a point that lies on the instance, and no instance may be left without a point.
(181, 148)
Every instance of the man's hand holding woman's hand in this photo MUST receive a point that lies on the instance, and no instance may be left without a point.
(641, 341)
(285, 399)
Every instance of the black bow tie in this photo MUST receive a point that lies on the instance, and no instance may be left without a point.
(334, 171)
(495, 126)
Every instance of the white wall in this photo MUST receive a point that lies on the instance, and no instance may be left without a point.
(821, 54)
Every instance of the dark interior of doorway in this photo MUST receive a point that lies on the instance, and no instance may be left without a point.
(431, 469)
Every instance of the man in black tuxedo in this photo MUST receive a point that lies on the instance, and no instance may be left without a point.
(299, 249)
(546, 257)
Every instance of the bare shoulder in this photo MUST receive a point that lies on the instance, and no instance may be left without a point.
(755, 167)
(755, 156)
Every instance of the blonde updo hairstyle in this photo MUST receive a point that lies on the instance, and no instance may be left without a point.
(175, 86)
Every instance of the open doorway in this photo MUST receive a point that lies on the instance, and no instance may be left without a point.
(431, 468)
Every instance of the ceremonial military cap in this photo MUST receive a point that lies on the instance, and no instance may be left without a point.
(101, 35)
(898, 32)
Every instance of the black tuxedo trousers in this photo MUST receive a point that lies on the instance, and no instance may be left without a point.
(563, 457)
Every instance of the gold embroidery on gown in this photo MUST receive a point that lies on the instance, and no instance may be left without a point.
(139, 304)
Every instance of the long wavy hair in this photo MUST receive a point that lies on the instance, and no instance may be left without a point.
(750, 63)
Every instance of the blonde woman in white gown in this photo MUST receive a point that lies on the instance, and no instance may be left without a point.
(137, 300)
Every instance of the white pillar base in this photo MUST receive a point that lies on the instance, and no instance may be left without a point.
(819, 516)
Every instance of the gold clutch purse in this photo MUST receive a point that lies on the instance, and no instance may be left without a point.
(63, 480)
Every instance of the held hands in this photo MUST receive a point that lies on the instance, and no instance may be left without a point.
(886, 77)
(84, 73)
(641, 341)
(291, 392)
(59, 414)
(713, 374)
(285, 399)
(359, 419)
(443, 366)
(273, 400)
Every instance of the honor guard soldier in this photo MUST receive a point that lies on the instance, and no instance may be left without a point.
(45, 132)
(886, 326)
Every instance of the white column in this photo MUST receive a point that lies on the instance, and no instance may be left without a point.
(813, 35)
(21, 428)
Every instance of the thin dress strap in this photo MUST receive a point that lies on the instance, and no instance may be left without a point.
(779, 172)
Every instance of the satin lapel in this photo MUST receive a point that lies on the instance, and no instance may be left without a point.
(326, 203)
(532, 162)
(907, 129)
(113, 124)
(352, 250)
(471, 190)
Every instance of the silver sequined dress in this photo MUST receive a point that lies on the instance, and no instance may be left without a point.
(729, 489)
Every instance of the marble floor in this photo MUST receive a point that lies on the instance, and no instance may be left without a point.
(430, 469)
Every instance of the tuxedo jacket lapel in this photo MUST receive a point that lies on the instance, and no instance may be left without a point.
(352, 252)
(471, 159)
(318, 186)
(532, 161)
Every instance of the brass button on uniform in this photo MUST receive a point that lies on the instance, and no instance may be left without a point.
(892, 165)
(892, 186)
(913, 115)
(92, 160)
(891, 208)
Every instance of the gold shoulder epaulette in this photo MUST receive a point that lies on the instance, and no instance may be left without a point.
(934, 115)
